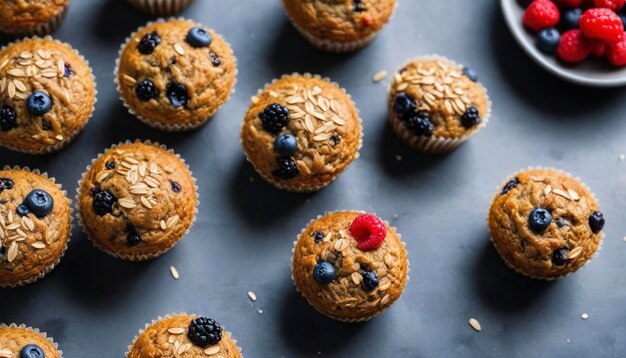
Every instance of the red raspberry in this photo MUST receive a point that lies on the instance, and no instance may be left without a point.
(369, 231)
(614, 5)
(568, 3)
(598, 49)
(541, 14)
(574, 46)
(616, 53)
(602, 24)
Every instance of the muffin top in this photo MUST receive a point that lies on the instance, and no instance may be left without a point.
(23, 15)
(350, 265)
(340, 20)
(15, 339)
(301, 131)
(174, 337)
(436, 97)
(35, 225)
(545, 223)
(47, 94)
(137, 199)
(176, 73)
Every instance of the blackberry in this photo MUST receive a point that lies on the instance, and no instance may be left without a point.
(22, 210)
(559, 256)
(403, 105)
(149, 42)
(471, 117)
(67, 70)
(146, 90)
(357, 6)
(133, 239)
(8, 119)
(6, 184)
(175, 187)
(46, 125)
(177, 94)
(509, 186)
(110, 165)
(318, 236)
(204, 331)
(103, 201)
(287, 168)
(370, 281)
(419, 123)
(215, 59)
(470, 73)
(274, 117)
(596, 221)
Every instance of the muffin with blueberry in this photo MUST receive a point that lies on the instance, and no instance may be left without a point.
(301, 132)
(35, 225)
(41, 17)
(137, 200)
(436, 105)
(183, 335)
(161, 7)
(174, 75)
(26, 342)
(47, 95)
(349, 265)
(339, 26)
(545, 223)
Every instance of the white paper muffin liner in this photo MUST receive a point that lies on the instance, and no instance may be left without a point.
(136, 257)
(298, 188)
(342, 319)
(434, 144)
(160, 126)
(161, 7)
(36, 331)
(42, 29)
(161, 318)
(510, 265)
(69, 138)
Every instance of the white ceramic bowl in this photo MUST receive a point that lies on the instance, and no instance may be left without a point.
(596, 72)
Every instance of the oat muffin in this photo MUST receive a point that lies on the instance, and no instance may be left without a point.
(435, 105)
(545, 223)
(184, 336)
(161, 7)
(339, 26)
(26, 342)
(27, 17)
(349, 265)
(137, 200)
(175, 74)
(47, 95)
(301, 132)
(35, 225)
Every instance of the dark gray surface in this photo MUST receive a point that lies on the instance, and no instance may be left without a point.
(94, 304)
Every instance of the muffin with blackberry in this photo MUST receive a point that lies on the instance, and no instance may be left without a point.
(349, 265)
(41, 17)
(301, 132)
(47, 95)
(545, 223)
(174, 75)
(26, 342)
(161, 7)
(137, 200)
(436, 105)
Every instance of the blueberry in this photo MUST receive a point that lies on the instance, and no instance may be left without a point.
(133, 239)
(370, 281)
(32, 351)
(146, 90)
(38, 103)
(110, 165)
(6, 184)
(177, 94)
(560, 222)
(470, 73)
(539, 219)
(286, 169)
(357, 6)
(559, 256)
(548, 40)
(471, 117)
(285, 144)
(8, 119)
(335, 139)
(509, 186)
(419, 123)
(274, 117)
(46, 125)
(596, 221)
(149, 42)
(324, 273)
(215, 59)
(403, 105)
(175, 187)
(67, 70)
(570, 18)
(22, 210)
(39, 202)
(318, 236)
(198, 37)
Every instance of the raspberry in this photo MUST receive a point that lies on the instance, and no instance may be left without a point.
(369, 231)
(614, 5)
(598, 49)
(616, 53)
(574, 46)
(204, 331)
(541, 14)
(568, 3)
(602, 24)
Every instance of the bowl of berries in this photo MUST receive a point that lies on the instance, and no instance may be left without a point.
(582, 41)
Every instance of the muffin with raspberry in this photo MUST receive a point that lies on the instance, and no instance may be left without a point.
(174, 75)
(301, 132)
(47, 95)
(182, 335)
(35, 225)
(349, 265)
(545, 223)
(161, 7)
(339, 26)
(26, 342)
(41, 17)
(436, 105)
(137, 200)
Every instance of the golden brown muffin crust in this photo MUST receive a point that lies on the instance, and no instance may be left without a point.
(13, 339)
(18, 15)
(344, 298)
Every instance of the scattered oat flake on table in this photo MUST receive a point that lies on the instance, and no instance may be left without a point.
(475, 324)
(174, 272)
(252, 295)
(380, 75)
(584, 316)
(260, 311)
(622, 157)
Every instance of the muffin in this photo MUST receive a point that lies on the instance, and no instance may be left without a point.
(301, 132)
(545, 223)
(161, 7)
(26, 342)
(47, 95)
(23, 17)
(339, 26)
(184, 336)
(174, 75)
(35, 225)
(350, 266)
(436, 105)
(137, 200)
